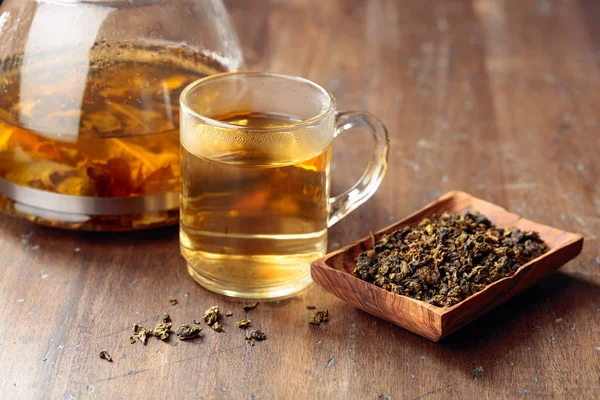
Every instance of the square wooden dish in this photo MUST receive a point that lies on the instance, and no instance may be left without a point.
(333, 272)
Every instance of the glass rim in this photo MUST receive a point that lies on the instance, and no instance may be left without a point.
(314, 120)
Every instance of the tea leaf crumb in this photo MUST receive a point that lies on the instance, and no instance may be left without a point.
(319, 317)
(173, 301)
(165, 318)
(187, 332)
(256, 335)
(141, 332)
(477, 372)
(243, 324)
(105, 356)
(373, 240)
(228, 314)
(211, 315)
(162, 331)
(309, 307)
(249, 306)
(217, 327)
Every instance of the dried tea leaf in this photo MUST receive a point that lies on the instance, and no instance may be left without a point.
(243, 324)
(173, 301)
(165, 318)
(162, 331)
(105, 356)
(217, 326)
(447, 258)
(187, 332)
(131, 340)
(141, 332)
(319, 317)
(256, 335)
(249, 306)
(211, 315)
(373, 240)
(309, 307)
(228, 314)
(196, 322)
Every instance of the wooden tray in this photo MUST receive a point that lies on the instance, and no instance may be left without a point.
(333, 272)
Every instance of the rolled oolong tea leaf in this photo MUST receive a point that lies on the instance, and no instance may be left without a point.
(165, 318)
(228, 314)
(211, 315)
(319, 317)
(105, 356)
(248, 307)
(217, 327)
(243, 324)
(187, 332)
(141, 332)
(256, 335)
(448, 258)
(162, 331)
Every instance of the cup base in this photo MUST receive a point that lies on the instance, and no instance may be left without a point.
(268, 292)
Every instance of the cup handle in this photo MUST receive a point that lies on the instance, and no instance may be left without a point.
(343, 204)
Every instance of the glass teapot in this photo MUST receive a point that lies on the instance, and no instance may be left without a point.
(89, 105)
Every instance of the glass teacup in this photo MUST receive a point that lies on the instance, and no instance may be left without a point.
(255, 180)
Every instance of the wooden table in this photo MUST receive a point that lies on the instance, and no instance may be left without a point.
(497, 98)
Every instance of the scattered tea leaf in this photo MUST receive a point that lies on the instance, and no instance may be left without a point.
(173, 301)
(243, 324)
(187, 332)
(105, 356)
(373, 240)
(256, 335)
(162, 331)
(249, 306)
(165, 318)
(141, 332)
(217, 326)
(131, 340)
(319, 317)
(228, 314)
(211, 315)
(309, 307)
(195, 321)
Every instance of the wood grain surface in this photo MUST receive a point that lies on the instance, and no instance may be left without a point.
(497, 98)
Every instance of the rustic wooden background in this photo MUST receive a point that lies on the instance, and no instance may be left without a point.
(497, 98)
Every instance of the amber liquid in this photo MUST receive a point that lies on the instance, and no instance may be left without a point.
(118, 138)
(252, 221)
